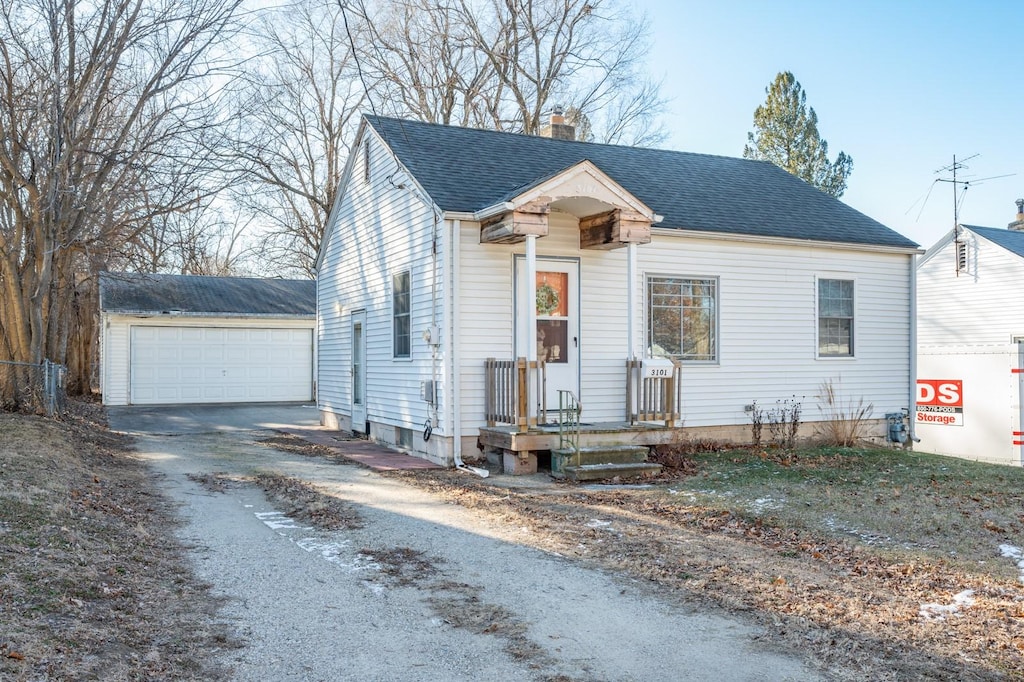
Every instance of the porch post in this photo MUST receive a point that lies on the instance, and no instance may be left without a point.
(631, 300)
(531, 297)
(531, 320)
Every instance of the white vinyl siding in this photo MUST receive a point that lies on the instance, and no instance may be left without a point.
(979, 305)
(380, 229)
(767, 322)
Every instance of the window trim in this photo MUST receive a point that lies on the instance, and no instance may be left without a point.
(842, 277)
(395, 315)
(715, 320)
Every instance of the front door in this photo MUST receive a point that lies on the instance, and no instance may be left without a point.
(359, 371)
(558, 326)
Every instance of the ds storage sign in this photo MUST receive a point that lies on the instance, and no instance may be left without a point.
(940, 401)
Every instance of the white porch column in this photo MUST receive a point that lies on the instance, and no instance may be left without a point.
(531, 297)
(631, 300)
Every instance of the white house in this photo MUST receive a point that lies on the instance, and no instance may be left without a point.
(471, 280)
(970, 330)
(191, 339)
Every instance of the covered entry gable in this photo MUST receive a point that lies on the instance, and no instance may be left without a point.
(609, 215)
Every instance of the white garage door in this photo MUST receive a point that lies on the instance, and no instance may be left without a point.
(220, 365)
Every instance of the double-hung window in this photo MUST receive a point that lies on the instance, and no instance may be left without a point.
(835, 318)
(682, 318)
(401, 321)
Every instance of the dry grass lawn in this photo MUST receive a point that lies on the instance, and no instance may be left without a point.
(884, 565)
(93, 584)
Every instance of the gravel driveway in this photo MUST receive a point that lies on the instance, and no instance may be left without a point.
(471, 602)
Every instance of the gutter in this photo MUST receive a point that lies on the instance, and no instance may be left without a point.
(913, 351)
(782, 241)
(173, 314)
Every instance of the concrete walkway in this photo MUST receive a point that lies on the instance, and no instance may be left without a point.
(467, 599)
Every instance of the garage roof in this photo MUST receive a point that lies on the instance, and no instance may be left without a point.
(154, 294)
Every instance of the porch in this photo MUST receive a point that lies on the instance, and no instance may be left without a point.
(522, 431)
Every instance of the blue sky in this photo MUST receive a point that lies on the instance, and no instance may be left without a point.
(900, 86)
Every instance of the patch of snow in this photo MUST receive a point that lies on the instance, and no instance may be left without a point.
(763, 504)
(598, 523)
(864, 536)
(1015, 553)
(276, 520)
(939, 612)
(332, 551)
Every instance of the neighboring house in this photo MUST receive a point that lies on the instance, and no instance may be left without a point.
(447, 245)
(191, 339)
(970, 327)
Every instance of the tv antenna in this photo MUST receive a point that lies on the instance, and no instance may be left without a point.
(960, 248)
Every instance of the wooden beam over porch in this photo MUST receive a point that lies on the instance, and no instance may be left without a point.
(614, 229)
(514, 226)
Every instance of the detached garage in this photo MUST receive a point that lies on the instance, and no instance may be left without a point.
(168, 339)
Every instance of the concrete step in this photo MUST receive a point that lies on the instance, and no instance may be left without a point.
(596, 472)
(613, 454)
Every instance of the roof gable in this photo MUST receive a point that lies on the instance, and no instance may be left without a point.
(583, 182)
(467, 170)
(146, 293)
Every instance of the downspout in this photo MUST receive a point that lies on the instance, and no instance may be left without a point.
(455, 351)
(435, 347)
(913, 350)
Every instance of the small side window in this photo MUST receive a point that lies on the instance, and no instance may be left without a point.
(366, 161)
(401, 315)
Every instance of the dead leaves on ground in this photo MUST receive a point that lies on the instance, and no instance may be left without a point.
(301, 501)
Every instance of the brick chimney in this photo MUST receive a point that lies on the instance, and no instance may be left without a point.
(1018, 224)
(557, 128)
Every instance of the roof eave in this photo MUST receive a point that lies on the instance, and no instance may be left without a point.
(783, 241)
(166, 314)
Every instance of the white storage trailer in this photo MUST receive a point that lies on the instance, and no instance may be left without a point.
(969, 402)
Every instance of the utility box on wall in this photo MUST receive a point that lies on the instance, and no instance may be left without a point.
(969, 402)
(428, 391)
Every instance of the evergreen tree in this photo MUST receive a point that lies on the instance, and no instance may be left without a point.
(786, 134)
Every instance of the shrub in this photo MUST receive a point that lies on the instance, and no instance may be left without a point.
(845, 419)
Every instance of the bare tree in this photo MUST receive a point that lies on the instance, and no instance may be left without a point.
(421, 61)
(502, 64)
(103, 106)
(295, 111)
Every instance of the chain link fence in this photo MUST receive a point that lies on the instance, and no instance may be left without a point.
(33, 388)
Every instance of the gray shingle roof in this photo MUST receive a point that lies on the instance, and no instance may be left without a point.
(1011, 240)
(193, 294)
(464, 169)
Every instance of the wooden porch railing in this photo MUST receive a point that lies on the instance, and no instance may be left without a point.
(652, 399)
(512, 388)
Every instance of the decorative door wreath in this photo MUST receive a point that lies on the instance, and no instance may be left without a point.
(547, 299)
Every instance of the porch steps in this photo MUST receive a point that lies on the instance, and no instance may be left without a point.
(602, 462)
